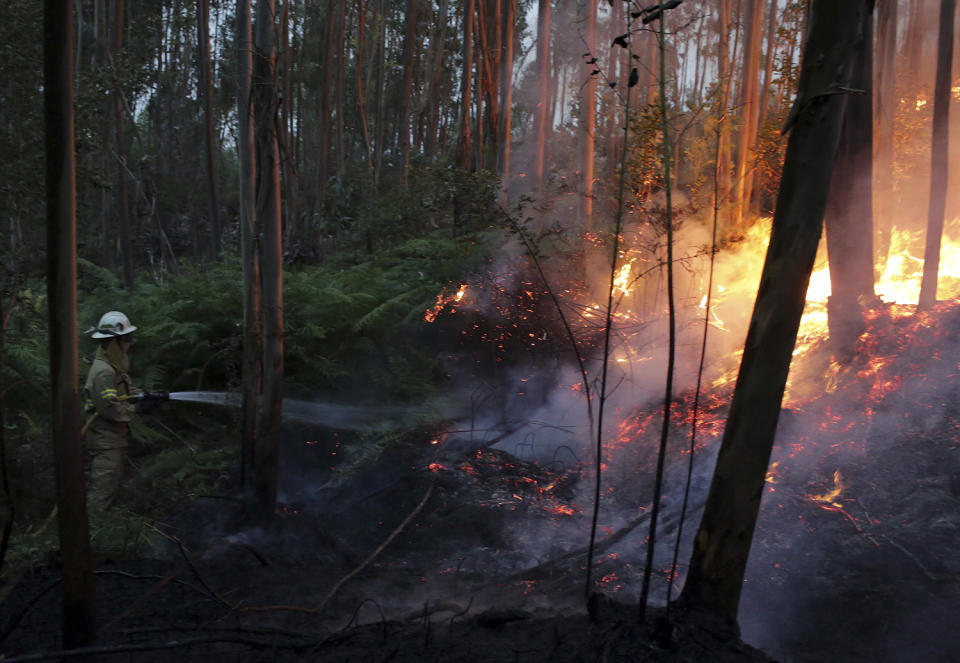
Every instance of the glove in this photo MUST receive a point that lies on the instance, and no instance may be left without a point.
(147, 404)
(149, 401)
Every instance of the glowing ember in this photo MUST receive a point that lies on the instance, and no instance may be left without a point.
(829, 498)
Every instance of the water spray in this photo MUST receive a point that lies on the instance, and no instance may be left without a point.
(326, 413)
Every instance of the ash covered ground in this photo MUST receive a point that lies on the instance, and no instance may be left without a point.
(469, 552)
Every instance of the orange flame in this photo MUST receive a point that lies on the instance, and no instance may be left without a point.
(829, 498)
(443, 299)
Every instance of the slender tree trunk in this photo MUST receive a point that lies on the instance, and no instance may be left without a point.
(206, 93)
(79, 621)
(767, 64)
(123, 204)
(251, 373)
(849, 213)
(266, 454)
(722, 543)
(464, 140)
(542, 114)
(380, 18)
(724, 82)
(509, 17)
(363, 116)
(588, 113)
(329, 59)
(885, 103)
(916, 34)
(407, 92)
(749, 108)
(341, 146)
(939, 156)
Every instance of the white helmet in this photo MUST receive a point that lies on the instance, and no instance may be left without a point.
(113, 323)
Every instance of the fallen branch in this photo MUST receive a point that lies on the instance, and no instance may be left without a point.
(393, 535)
(547, 568)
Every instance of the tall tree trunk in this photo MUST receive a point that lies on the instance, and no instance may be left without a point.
(436, 81)
(341, 146)
(618, 61)
(723, 101)
(885, 103)
(588, 113)
(122, 202)
(916, 35)
(266, 455)
(768, 59)
(329, 60)
(939, 156)
(407, 92)
(541, 114)
(749, 108)
(509, 17)
(464, 140)
(380, 19)
(722, 543)
(79, 627)
(206, 93)
(849, 213)
(252, 348)
(488, 74)
(362, 115)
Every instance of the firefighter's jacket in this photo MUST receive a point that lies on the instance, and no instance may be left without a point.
(106, 408)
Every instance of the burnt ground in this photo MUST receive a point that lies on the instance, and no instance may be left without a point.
(475, 555)
(448, 587)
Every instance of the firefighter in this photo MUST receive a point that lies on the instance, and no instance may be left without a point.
(110, 404)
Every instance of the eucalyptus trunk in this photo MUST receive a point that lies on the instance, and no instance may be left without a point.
(407, 90)
(722, 543)
(849, 213)
(265, 99)
(206, 93)
(509, 17)
(588, 112)
(939, 156)
(749, 109)
(122, 202)
(541, 127)
(76, 559)
(465, 138)
(252, 347)
(885, 104)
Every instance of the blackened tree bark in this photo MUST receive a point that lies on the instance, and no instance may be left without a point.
(76, 559)
(252, 347)
(939, 156)
(266, 452)
(206, 93)
(722, 543)
(849, 214)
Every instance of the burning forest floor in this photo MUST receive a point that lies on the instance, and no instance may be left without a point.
(472, 554)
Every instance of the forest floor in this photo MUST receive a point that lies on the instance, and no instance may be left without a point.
(478, 556)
